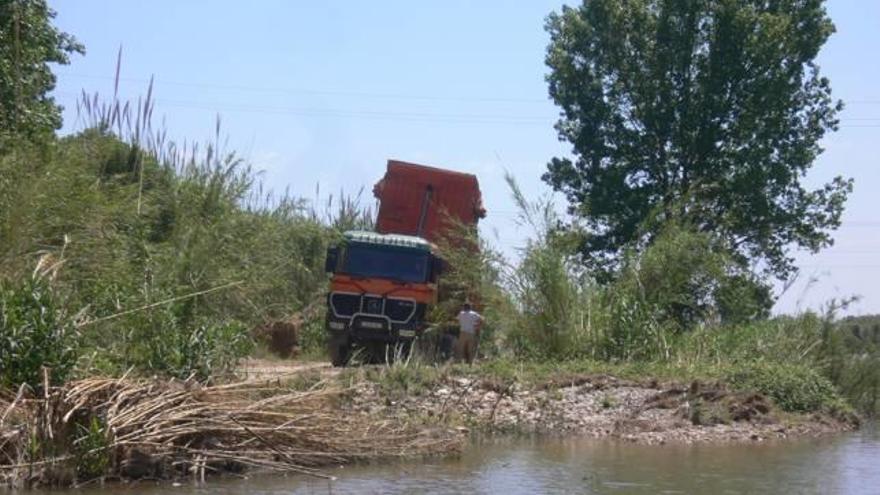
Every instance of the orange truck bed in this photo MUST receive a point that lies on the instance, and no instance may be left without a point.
(420, 200)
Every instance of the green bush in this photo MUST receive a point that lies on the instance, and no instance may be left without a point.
(793, 340)
(35, 332)
(162, 342)
(313, 337)
(852, 356)
(860, 382)
(547, 311)
(793, 387)
(680, 281)
(552, 304)
(683, 280)
(91, 450)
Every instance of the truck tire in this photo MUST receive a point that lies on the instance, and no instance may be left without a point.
(340, 352)
(375, 352)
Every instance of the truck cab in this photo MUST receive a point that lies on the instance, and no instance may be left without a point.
(380, 289)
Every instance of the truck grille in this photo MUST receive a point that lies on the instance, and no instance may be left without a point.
(345, 304)
(372, 305)
(399, 309)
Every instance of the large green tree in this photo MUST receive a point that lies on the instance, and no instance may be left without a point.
(28, 44)
(707, 110)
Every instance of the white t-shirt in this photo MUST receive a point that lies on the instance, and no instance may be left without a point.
(469, 320)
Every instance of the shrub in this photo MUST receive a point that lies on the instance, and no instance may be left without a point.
(793, 387)
(163, 342)
(91, 450)
(860, 382)
(553, 304)
(794, 340)
(681, 280)
(313, 337)
(686, 278)
(852, 354)
(408, 378)
(549, 316)
(35, 332)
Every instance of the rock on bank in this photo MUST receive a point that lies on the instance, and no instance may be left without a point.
(597, 406)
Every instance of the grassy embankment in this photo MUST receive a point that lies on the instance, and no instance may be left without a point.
(148, 254)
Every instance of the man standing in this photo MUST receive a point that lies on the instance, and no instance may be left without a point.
(469, 323)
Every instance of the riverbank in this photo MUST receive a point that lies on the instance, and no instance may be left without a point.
(301, 418)
(632, 402)
(598, 406)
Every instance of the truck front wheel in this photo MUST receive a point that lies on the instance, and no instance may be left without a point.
(340, 352)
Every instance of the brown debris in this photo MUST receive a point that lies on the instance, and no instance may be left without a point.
(280, 337)
(158, 429)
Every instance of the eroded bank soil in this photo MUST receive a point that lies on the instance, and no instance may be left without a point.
(596, 406)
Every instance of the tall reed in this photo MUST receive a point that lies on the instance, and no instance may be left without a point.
(188, 232)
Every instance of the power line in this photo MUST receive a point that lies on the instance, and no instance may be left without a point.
(362, 94)
(386, 115)
(367, 114)
(269, 89)
(376, 115)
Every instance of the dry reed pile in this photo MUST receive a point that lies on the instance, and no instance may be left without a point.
(122, 428)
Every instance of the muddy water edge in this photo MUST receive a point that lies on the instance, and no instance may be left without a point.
(844, 463)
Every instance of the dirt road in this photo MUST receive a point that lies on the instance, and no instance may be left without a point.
(268, 368)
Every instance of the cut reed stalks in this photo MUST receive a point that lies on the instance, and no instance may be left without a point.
(126, 428)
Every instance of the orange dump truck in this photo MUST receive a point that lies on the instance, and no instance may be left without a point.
(384, 281)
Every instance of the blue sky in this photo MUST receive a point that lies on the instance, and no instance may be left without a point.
(325, 92)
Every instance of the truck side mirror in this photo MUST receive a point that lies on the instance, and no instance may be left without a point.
(438, 267)
(332, 259)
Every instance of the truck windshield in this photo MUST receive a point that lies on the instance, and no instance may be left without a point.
(386, 262)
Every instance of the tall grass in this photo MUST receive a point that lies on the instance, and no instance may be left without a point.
(185, 232)
(553, 298)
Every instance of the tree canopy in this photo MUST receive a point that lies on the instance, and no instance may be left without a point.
(711, 111)
(28, 44)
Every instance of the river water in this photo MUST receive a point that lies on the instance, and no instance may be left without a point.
(847, 464)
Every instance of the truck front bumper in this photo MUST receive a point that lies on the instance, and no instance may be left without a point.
(371, 328)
